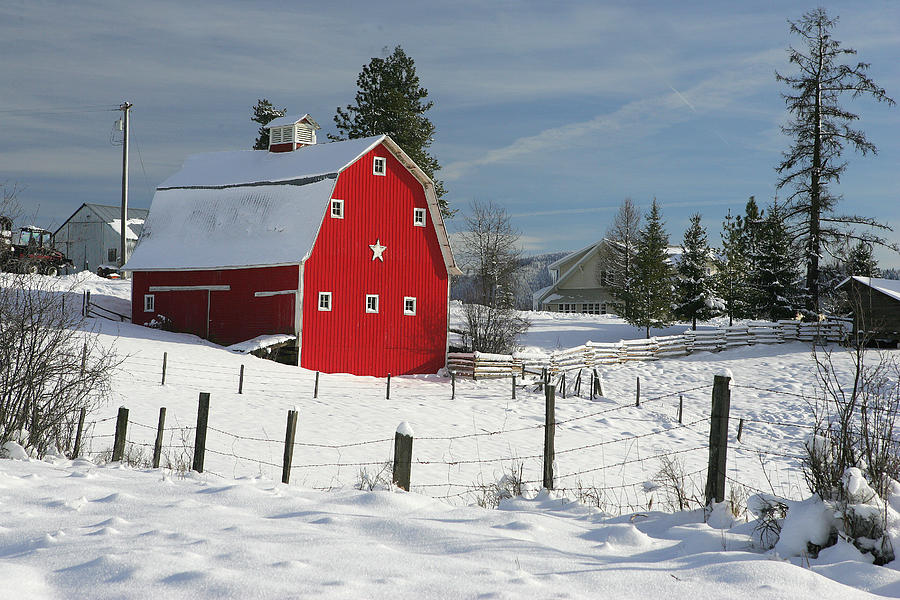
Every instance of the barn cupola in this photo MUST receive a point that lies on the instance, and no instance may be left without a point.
(289, 133)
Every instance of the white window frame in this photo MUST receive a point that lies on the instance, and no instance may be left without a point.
(149, 303)
(419, 217)
(379, 160)
(370, 309)
(339, 204)
(326, 305)
(407, 311)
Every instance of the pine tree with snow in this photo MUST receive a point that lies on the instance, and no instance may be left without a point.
(694, 286)
(652, 289)
(390, 101)
(776, 275)
(263, 113)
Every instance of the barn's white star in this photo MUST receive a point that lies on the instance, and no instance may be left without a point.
(378, 250)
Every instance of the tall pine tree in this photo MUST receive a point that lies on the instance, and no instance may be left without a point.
(263, 113)
(694, 289)
(390, 101)
(652, 289)
(820, 129)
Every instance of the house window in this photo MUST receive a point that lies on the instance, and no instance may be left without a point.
(591, 308)
(337, 209)
(324, 300)
(568, 307)
(409, 306)
(112, 254)
(419, 217)
(379, 167)
(603, 309)
(149, 303)
(371, 303)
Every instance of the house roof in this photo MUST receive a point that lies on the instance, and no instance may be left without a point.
(255, 208)
(111, 214)
(888, 287)
(582, 256)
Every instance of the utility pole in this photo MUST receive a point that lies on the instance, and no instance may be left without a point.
(123, 248)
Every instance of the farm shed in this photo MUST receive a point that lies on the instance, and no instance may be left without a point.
(91, 236)
(340, 244)
(876, 305)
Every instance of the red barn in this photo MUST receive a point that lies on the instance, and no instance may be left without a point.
(339, 244)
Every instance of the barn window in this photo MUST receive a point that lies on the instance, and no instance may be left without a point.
(111, 254)
(409, 305)
(379, 167)
(337, 209)
(419, 217)
(371, 303)
(149, 303)
(324, 300)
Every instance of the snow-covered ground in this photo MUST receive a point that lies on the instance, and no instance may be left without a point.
(70, 526)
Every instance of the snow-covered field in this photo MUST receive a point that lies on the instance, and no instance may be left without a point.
(72, 528)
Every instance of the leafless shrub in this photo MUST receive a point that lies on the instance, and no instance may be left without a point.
(770, 512)
(50, 365)
(510, 485)
(381, 478)
(674, 484)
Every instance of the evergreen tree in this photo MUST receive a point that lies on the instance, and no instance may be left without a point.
(861, 261)
(694, 289)
(390, 101)
(751, 225)
(263, 113)
(775, 276)
(732, 270)
(820, 129)
(617, 259)
(651, 293)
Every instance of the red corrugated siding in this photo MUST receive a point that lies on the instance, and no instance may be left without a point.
(347, 339)
(234, 316)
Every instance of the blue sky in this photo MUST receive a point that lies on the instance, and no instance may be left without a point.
(557, 111)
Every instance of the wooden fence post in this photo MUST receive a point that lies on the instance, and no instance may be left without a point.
(637, 393)
(121, 430)
(77, 449)
(718, 439)
(165, 358)
(316, 386)
(289, 433)
(403, 441)
(200, 439)
(452, 385)
(157, 446)
(598, 383)
(84, 353)
(549, 431)
(740, 429)
(387, 394)
(241, 381)
(680, 408)
(563, 383)
(513, 387)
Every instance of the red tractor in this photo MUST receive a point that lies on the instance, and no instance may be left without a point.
(29, 250)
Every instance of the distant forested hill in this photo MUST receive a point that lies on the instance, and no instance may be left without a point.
(533, 276)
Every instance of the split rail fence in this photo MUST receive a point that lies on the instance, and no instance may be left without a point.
(479, 365)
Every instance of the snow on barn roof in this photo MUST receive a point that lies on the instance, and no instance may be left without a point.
(255, 166)
(239, 226)
(888, 287)
(254, 208)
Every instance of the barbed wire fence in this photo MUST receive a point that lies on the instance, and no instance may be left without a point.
(613, 493)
